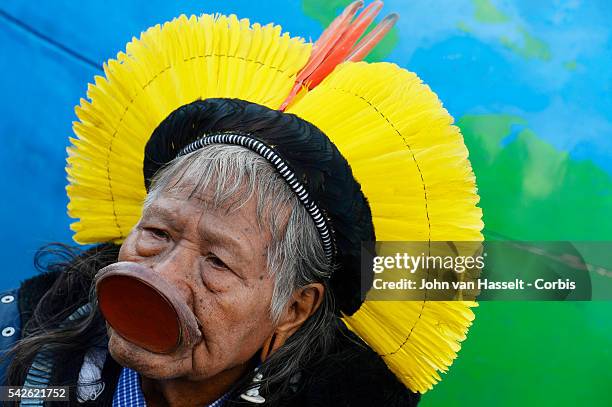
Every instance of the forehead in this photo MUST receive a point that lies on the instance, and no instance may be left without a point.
(228, 182)
(219, 175)
(235, 232)
(211, 190)
(185, 202)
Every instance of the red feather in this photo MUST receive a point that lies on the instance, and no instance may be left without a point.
(338, 43)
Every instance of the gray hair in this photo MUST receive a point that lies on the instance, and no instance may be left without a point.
(231, 175)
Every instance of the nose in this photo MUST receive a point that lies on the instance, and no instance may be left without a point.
(176, 267)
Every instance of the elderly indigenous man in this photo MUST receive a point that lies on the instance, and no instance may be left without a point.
(211, 167)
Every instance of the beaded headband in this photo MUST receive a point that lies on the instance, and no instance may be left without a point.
(283, 168)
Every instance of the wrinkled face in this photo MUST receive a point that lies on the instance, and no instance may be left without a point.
(218, 260)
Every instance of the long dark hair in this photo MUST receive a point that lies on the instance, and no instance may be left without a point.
(47, 327)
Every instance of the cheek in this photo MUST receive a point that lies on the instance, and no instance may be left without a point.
(235, 327)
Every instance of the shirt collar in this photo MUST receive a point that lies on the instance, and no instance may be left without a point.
(129, 393)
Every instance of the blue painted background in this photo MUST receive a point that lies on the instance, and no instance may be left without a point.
(41, 83)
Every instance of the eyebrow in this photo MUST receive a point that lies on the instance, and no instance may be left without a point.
(212, 234)
(161, 213)
(226, 241)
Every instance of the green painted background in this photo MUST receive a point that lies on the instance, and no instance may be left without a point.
(533, 186)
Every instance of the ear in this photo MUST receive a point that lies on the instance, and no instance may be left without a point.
(303, 303)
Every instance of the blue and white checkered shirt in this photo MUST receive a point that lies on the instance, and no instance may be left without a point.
(129, 393)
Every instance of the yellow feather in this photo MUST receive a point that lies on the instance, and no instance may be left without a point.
(413, 167)
(170, 65)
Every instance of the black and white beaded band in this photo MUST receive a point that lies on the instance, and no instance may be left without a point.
(283, 169)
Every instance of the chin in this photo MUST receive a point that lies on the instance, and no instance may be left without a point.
(149, 364)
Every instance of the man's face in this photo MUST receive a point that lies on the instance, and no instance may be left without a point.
(218, 260)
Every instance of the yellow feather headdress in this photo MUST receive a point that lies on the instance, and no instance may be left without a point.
(410, 160)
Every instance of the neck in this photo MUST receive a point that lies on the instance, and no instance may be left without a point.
(181, 392)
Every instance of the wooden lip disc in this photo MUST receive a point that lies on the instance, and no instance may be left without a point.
(145, 309)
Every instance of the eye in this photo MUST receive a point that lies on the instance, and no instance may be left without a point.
(157, 233)
(216, 262)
